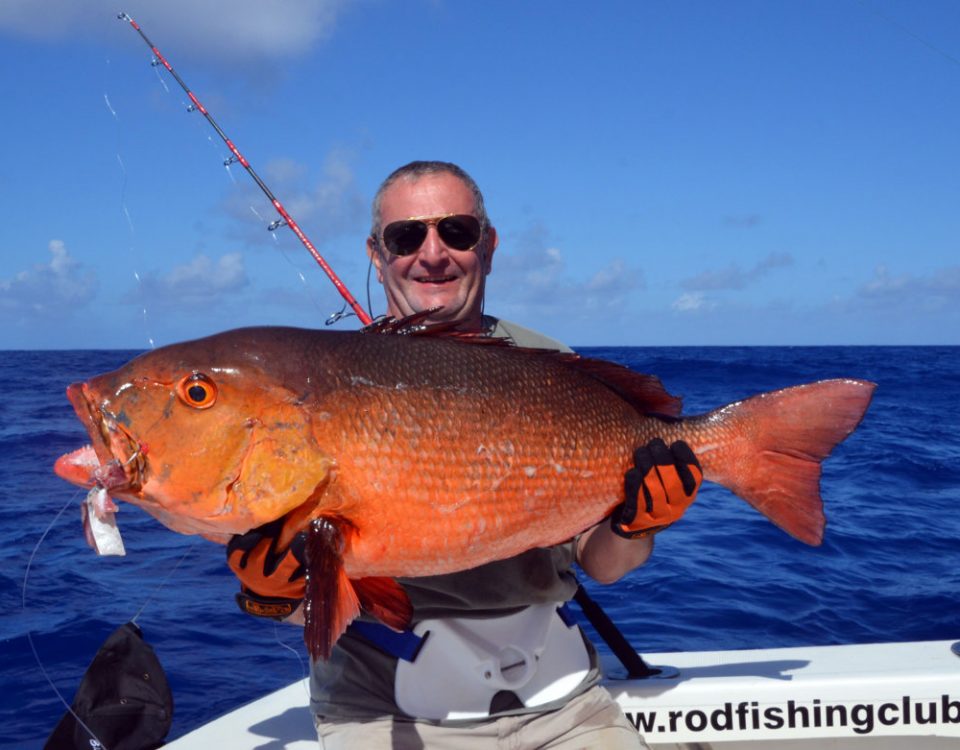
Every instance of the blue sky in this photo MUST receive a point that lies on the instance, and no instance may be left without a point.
(687, 172)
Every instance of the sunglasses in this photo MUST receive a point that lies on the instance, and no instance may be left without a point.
(459, 231)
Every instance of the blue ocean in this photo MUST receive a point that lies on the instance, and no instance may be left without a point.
(722, 578)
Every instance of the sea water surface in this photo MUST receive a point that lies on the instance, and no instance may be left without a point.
(722, 578)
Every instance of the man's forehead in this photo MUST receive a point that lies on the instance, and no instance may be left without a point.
(437, 189)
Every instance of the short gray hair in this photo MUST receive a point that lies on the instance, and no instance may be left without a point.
(413, 172)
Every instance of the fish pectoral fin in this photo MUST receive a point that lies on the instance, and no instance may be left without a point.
(386, 600)
(330, 600)
(300, 517)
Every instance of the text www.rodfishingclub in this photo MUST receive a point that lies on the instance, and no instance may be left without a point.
(747, 716)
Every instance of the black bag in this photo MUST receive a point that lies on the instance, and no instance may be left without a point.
(123, 698)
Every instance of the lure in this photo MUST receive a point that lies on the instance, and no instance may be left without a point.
(99, 515)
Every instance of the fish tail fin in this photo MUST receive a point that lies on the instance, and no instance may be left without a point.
(773, 445)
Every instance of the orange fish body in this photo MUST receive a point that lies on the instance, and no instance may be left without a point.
(426, 455)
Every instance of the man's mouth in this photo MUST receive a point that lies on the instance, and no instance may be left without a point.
(436, 279)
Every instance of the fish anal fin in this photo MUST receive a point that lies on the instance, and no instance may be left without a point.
(773, 445)
(386, 600)
(330, 602)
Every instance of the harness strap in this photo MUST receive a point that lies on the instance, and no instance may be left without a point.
(636, 667)
(403, 644)
(406, 644)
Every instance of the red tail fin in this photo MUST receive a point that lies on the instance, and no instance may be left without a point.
(768, 448)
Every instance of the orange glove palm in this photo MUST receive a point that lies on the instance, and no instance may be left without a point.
(657, 490)
(272, 578)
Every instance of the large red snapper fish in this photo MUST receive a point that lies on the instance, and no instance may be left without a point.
(414, 455)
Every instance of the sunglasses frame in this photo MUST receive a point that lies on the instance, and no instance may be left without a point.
(430, 221)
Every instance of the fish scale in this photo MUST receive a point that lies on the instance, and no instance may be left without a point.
(471, 423)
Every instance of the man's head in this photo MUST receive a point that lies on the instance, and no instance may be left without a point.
(434, 273)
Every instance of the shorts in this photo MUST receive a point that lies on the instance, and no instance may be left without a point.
(590, 720)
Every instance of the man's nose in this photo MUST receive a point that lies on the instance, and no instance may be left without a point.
(433, 249)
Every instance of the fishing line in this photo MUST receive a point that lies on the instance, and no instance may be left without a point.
(910, 33)
(166, 579)
(156, 70)
(309, 292)
(285, 218)
(23, 608)
(288, 647)
(156, 61)
(369, 274)
(132, 233)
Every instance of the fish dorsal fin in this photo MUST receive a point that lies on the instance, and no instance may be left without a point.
(413, 325)
(645, 393)
(410, 324)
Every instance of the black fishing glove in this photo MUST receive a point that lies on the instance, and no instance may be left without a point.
(272, 579)
(657, 490)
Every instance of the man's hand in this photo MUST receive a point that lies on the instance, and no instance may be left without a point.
(272, 579)
(657, 490)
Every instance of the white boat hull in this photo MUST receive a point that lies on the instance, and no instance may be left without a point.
(877, 696)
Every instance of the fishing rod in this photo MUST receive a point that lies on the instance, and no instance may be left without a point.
(285, 218)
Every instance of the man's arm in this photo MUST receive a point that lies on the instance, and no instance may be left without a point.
(607, 557)
(658, 489)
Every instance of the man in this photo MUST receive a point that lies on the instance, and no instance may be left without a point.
(466, 675)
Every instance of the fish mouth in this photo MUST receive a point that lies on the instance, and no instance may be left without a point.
(114, 460)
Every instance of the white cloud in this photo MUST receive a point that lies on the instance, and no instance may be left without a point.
(48, 289)
(743, 221)
(333, 204)
(241, 30)
(692, 302)
(734, 277)
(199, 282)
(531, 278)
(934, 292)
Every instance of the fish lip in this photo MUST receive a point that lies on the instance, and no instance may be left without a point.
(121, 457)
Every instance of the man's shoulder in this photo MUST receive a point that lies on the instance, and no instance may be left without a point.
(522, 336)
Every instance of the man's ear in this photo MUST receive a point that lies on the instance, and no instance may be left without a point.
(374, 254)
(490, 244)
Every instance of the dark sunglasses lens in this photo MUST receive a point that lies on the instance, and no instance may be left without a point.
(404, 237)
(459, 232)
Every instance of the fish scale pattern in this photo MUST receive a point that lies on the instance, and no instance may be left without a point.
(462, 446)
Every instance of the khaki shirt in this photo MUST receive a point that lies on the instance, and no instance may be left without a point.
(358, 680)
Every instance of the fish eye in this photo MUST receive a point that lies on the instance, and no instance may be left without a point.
(197, 390)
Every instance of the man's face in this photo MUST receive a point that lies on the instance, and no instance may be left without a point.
(435, 275)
